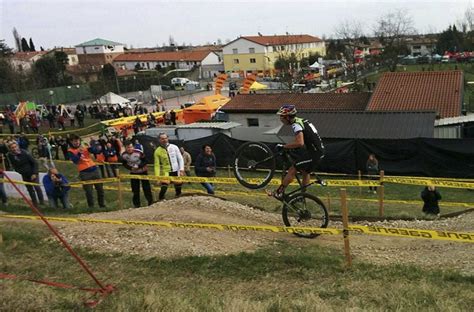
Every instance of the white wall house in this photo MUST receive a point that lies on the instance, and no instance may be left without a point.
(23, 61)
(208, 62)
(99, 46)
(98, 51)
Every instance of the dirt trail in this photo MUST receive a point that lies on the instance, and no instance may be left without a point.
(170, 243)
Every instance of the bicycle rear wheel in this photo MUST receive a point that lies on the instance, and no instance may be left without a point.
(305, 210)
(254, 165)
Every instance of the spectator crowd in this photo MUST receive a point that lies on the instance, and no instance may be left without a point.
(97, 158)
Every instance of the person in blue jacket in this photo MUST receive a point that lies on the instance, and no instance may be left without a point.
(205, 166)
(56, 186)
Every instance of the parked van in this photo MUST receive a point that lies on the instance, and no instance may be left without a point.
(180, 83)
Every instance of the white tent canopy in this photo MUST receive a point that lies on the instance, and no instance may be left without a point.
(112, 98)
(316, 65)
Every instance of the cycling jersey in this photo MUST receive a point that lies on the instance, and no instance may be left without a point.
(312, 140)
(168, 160)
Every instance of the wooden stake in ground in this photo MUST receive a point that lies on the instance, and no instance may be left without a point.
(345, 232)
(380, 192)
(329, 202)
(117, 173)
(360, 179)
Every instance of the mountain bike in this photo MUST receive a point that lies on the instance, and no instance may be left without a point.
(254, 168)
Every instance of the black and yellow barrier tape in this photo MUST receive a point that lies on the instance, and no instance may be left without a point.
(371, 230)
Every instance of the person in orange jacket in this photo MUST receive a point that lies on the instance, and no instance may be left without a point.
(99, 156)
(111, 156)
(80, 155)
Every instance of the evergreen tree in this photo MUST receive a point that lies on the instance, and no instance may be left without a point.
(46, 72)
(17, 38)
(4, 49)
(24, 45)
(32, 46)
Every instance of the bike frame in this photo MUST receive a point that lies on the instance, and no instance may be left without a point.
(287, 163)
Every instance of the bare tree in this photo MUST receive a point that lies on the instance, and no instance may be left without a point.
(465, 23)
(352, 37)
(392, 30)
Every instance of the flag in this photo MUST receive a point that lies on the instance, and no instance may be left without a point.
(219, 83)
(247, 83)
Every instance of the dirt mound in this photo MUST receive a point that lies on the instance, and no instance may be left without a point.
(170, 243)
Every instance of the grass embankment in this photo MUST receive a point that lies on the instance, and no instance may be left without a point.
(361, 201)
(282, 277)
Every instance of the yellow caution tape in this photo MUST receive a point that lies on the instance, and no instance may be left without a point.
(20, 182)
(234, 181)
(74, 130)
(430, 181)
(71, 184)
(414, 233)
(98, 181)
(424, 178)
(371, 230)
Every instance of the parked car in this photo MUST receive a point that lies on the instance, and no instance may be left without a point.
(133, 101)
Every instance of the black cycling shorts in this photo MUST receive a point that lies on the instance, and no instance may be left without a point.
(304, 160)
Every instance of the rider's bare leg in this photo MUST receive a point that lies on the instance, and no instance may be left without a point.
(306, 178)
(289, 177)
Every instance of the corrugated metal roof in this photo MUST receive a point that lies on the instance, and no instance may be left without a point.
(302, 101)
(370, 125)
(98, 42)
(210, 125)
(454, 120)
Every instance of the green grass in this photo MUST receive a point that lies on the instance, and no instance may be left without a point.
(283, 277)
(258, 199)
(280, 277)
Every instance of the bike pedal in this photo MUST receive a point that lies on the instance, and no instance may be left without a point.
(322, 182)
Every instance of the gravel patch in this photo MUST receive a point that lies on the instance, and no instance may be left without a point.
(171, 243)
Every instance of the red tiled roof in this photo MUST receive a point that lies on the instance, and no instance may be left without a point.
(282, 39)
(303, 101)
(26, 56)
(440, 91)
(163, 56)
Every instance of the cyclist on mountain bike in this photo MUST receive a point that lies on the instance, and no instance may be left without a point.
(306, 150)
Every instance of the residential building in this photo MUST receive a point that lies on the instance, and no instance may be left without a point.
(73, 59)
(257, 112)
(98, 51)
(421, 46)
(440, 91)
(257, 54)
(207, 62)
(23, 61)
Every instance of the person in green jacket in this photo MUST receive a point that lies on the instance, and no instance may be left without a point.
(168, 162)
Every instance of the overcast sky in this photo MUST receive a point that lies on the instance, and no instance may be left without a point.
(147, 23)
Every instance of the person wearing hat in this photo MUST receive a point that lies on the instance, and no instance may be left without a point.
(88, 170)
(306, 149)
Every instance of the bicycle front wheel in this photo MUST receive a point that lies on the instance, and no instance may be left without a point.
(305, 210)
(254, 165)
